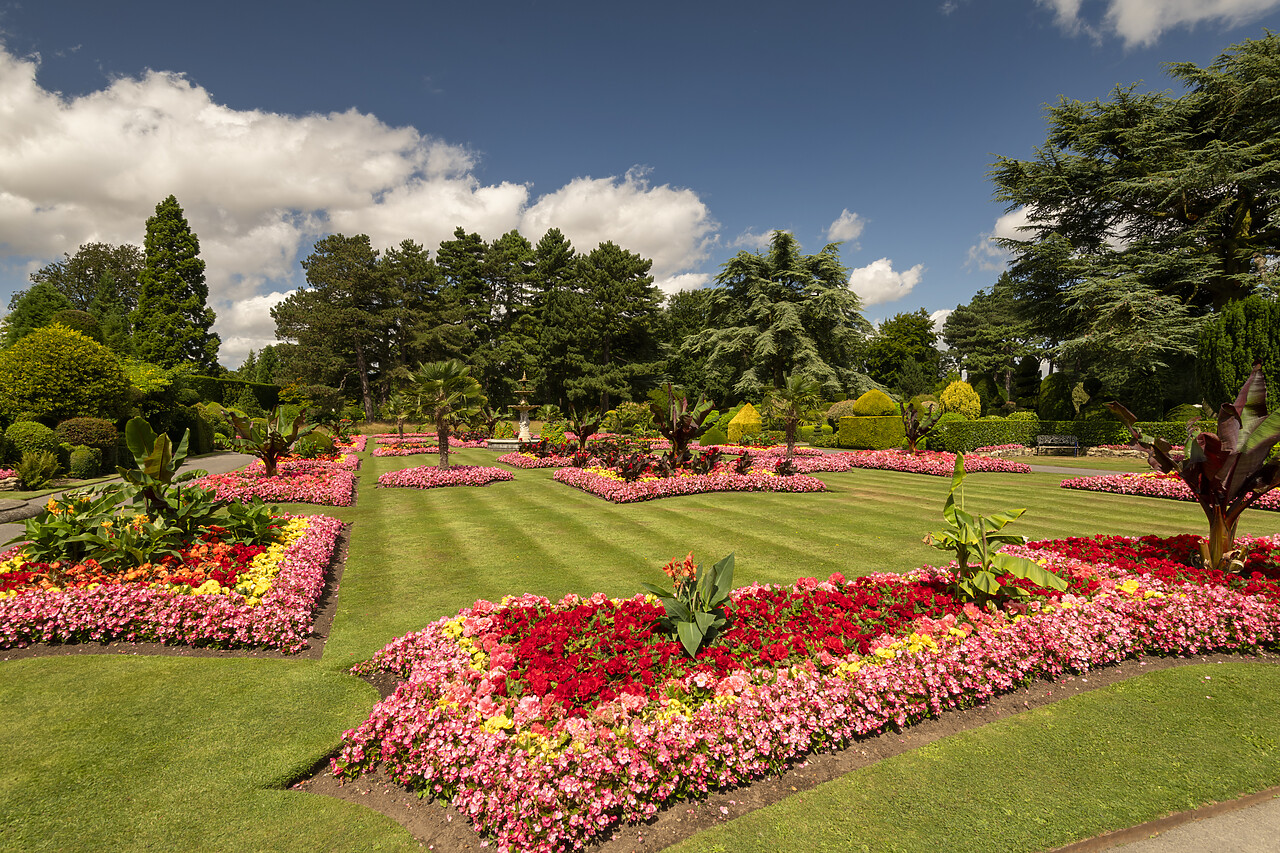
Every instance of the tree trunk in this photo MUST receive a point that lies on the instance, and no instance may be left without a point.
(442, 439)
(365, 393)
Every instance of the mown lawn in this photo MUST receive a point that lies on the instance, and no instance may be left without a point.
(137, 753)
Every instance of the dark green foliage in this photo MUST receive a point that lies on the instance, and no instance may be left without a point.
(29, 310)
(81, 321)
(97, 433)
(247, 402)
(1026, 382)
(98, 273)
(916, 424)
(962, 436)
(84, 462)
(1245, 331)
(216, 389)
(29, 437)
(156, 465)
(1183, 413)
(1055, 402)
(314, 444)
(695, 606)
(871, 432)
(871, 404)
(989, 393)
(989, 335)
(172, 321)
(714, 435)
(37, 468)
(900, 340)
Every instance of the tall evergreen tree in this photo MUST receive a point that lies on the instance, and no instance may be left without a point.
(31, 309)
(1244, 332)
(990, 336)
(172, 321)
(268, 363)
(80, 277)
(110, 310)
(623, 306)
(900, 340)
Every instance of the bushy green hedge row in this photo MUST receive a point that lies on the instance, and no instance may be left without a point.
(227, 391)
(871, 433)
(963, 436)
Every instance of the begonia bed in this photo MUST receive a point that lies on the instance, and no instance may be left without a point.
(605, 483)
(6, 473)
(528, 460)
(297, 481)
(1153, 484)
(218, 595)
(550, 725)
(433, 476)
(935, 463)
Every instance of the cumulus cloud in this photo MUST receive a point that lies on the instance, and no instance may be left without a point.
(989, 255)
(253, 328)
(1142, 22)
(751, 241)
(684, 281)
(939, 318)
(877, 282)
(259, 188)
(847, 227)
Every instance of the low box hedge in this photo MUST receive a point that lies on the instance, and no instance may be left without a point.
(964, 436)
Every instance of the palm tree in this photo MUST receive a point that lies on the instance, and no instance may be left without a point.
(447, 395)
(798, 399)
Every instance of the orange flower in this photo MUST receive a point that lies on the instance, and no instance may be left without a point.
(677, 570)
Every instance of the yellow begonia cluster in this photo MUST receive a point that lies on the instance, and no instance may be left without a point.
(254, 582)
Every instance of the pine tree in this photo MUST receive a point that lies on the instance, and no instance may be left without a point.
(172, 322)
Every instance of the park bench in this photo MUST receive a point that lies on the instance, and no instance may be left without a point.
(1056, 442)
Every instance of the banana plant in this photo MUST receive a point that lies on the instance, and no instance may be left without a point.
(1227, 471)
(916, 427)
(976, 536)
(680, 423)
(695, 604)
(158, 464)
(266, 440)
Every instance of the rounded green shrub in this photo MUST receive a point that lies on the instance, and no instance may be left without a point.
(56, 373)
(553, 431)
(97, 433)
(1184, 413)
(84, 462)
(874, 404)
(960, 398)
(1024, 416)
(30, 437)
(715, 435)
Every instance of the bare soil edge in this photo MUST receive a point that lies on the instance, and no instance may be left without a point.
(441, 827)
(325, 608)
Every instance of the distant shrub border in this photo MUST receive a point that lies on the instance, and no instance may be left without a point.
(433, 476)
(1154, 485)
(603, 483)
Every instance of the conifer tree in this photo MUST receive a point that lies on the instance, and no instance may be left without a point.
(1244, 332)
(172, 322)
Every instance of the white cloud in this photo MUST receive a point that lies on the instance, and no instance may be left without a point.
(939, 318)
(752, 242)
(253, 326)
(259, 188)
(988, 255)
(847, 226)
(877, 282)
(684, 281)
(1142, 22)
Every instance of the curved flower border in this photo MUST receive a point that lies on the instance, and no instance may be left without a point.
(283, 620)
(572, 785)
(934, 463)
(1154, 485)
(432, 477)
(620, 491)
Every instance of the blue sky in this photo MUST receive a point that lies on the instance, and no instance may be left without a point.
(683, 131)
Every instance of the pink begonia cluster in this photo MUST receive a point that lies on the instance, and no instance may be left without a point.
(772, 450)
(298, 481)
(1154, 485)
(620, 491)
(417, 440)
(141, 614)
(537, 781)
(937, 463)
(6, 473)
(432, 476)
(993, 448)
(352, 442)
(528, 460)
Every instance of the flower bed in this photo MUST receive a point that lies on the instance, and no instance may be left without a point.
(528, 460)
(297, 481)
(548, 725)
(936, 463)
(1152, 484)
(407, 449)
(605, 483)
(415, 441)
(219, 595)
(352, 442)
(996, 448)
(6, 473)
(431, 477)
(770, 450)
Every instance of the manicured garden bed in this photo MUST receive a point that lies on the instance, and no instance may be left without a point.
(1153, 484)
(528, 460)
(936, 463)
(297, 481)
(433, 476)
(217, 594)
(605, 483)
(534, 693)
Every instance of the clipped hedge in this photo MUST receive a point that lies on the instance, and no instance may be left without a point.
(215, 389)
(97, 433)
(873, 404)
(964, 436)
(84, 462)
(746, 422)
(29, 437)
(871, 433)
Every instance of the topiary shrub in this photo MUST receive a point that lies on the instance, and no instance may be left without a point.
(874, 404)
(836, 411)
(55, 373)
(715, 435)
(1055, 403)
(880, 432)
(84, 462)
(97, 433)
(989, 393)
(1024, 416)
(745, 423)
(30, 437)
(1183, 413)
(960, 398)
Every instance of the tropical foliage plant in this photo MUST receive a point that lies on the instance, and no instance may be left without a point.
(158, 464)
(916, 427)
(680, 424)
(798, 399)
(266, 438)
(1227, 471)
(695, 604)
(447, 395)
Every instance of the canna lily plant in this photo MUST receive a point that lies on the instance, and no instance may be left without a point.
(976, 536)
(158, 463)
(695, 604)
(266, 439)
(680, 423)
(1227, 471)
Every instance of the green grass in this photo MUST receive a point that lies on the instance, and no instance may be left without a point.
(1099, 463)
(141, 753)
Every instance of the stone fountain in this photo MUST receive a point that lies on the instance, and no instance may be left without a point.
(523, 389)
